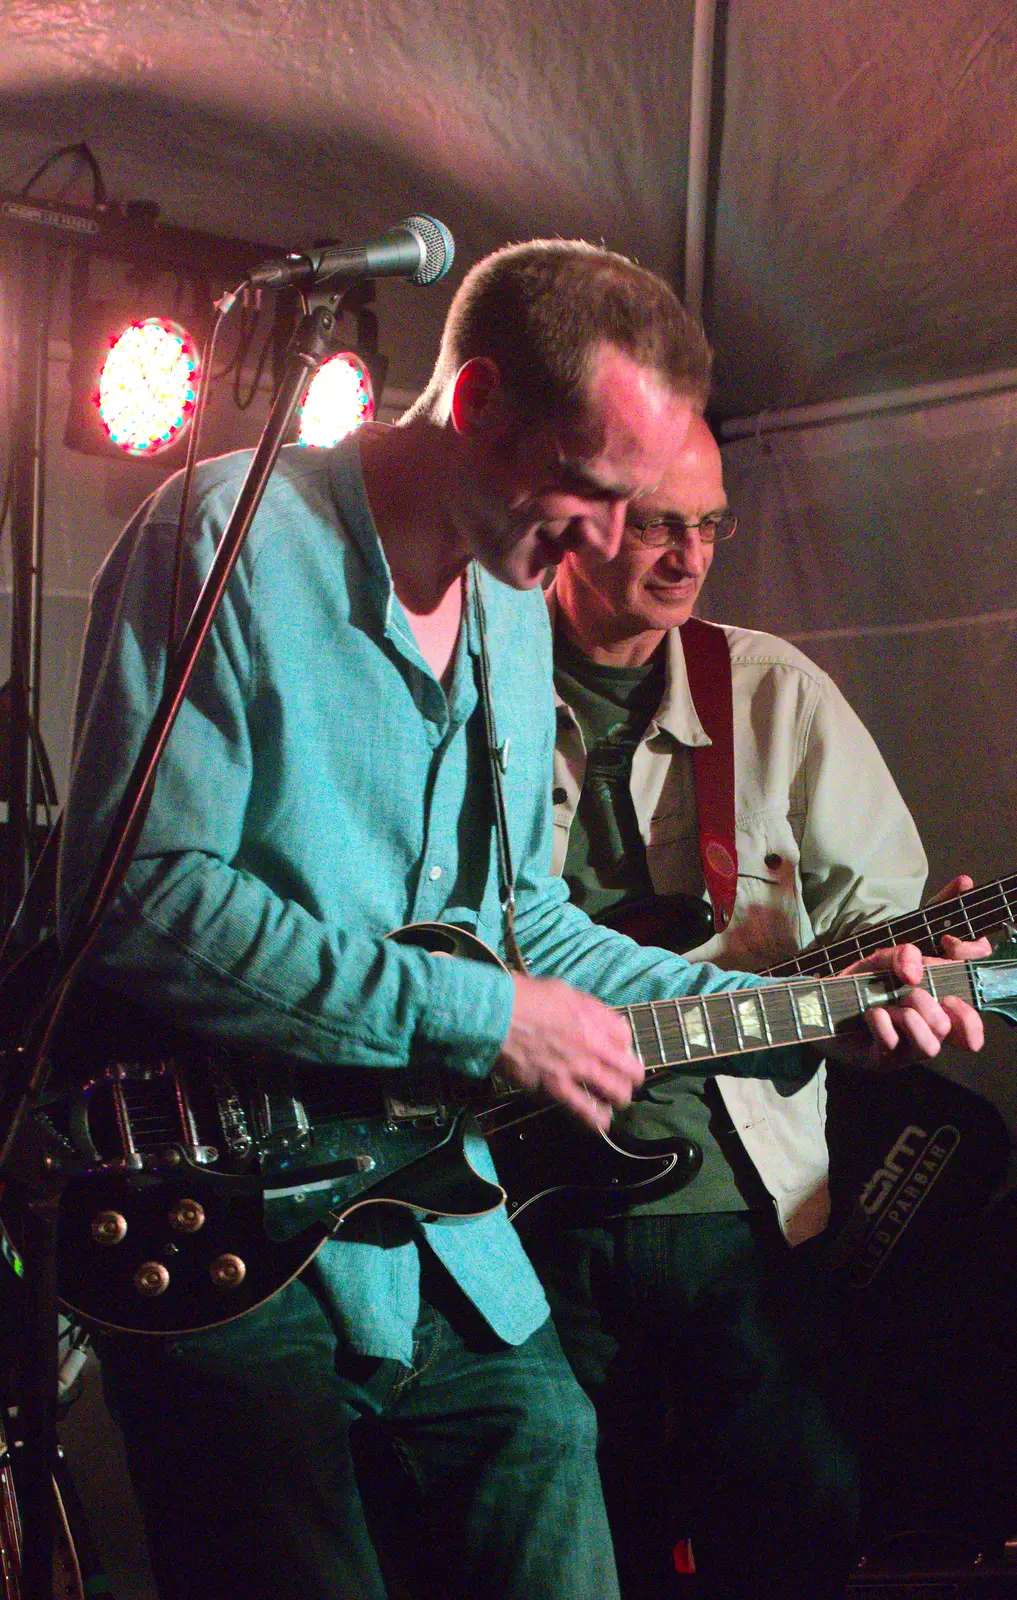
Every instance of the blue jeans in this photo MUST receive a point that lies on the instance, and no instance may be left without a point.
(273, 1463)
(711, 1353)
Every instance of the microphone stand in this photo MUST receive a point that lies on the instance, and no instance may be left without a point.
(43, 1173)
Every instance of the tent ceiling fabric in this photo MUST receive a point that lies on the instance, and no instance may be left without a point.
(866, 181)
(867, 198)
(289, 121)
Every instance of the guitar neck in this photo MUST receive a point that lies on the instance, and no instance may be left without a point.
(968, 916)
(671, 1034)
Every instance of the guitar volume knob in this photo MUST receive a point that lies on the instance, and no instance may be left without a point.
(187, 1216)
(227, 1272)
(151, 1279)
(108, 1227)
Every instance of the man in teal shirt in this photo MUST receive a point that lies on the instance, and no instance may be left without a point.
(327, 780)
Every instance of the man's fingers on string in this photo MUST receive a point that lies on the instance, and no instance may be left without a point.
(924, 1031)
(880, 1024)
(596, 1113)
(959, 885)
(907, 963)
(967, 1027)
(921, 1003)
(956, 949)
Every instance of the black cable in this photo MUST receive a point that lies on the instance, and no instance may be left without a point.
(84, 154)
(222, 309)
(245, 330)
(43, 770)
(241, 401)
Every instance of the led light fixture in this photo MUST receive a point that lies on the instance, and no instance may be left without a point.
(135, 366)
(147, 385)
(339, 399)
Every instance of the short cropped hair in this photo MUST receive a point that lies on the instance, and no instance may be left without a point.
(542, 309)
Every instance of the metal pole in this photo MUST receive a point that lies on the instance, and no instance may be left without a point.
(949, 391)
(697, 185)
(28, 463)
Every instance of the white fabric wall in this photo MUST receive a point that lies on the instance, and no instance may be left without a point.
(883, 547)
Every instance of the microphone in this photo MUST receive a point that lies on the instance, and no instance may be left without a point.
(419, 248)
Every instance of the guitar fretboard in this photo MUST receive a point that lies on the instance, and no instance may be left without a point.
(677, 1033)
(969, 915)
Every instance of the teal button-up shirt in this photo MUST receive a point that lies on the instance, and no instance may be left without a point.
(318, 790)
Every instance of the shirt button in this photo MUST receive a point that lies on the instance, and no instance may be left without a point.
(773, 861)
(434, 874)
(559, 795)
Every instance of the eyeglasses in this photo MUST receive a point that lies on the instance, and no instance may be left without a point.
(672, 530)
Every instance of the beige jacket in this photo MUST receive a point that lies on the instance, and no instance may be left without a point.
(825, 846)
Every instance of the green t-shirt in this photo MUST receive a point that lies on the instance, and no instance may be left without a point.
(605, 865)
(606, 861)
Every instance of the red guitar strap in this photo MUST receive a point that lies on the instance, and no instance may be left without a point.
(708, 664)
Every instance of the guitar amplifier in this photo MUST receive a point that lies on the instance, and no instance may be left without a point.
(974, 1581)
(914, 1159)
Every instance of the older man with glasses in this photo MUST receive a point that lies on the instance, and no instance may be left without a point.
(705, 1341)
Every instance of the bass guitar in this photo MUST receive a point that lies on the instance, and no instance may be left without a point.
(195, 1190)
(681, 922)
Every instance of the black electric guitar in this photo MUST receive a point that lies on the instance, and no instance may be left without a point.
(914, 1156)
(195, 1190)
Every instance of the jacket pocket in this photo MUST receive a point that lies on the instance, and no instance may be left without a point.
(769, 922)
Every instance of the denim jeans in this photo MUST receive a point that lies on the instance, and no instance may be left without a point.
(274, 1463)
(709, 1350)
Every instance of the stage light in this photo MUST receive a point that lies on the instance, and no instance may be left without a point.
(147, 386)
(339, 399)
(135, 361)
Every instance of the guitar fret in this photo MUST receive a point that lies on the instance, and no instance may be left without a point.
(656, 1029)
(754, 1019)
(826, 1007)
(705, 1007)
(739, 1034)
(858, 948)
(794, 1012)
(652, 1054)
(809, 1003)
(630, 1015)
(683, 1031)
(698, 1029)
(765, 1015)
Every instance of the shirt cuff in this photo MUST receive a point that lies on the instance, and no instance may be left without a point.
(469, 1008)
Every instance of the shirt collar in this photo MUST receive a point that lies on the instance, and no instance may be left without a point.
(346, 479)
(676, 714)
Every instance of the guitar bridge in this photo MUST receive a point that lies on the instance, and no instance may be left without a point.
(280, 1120)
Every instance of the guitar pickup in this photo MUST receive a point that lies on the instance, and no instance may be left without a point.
(414, 1113)
(281, 1123)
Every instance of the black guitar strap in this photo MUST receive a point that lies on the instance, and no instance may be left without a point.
(497, 763)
